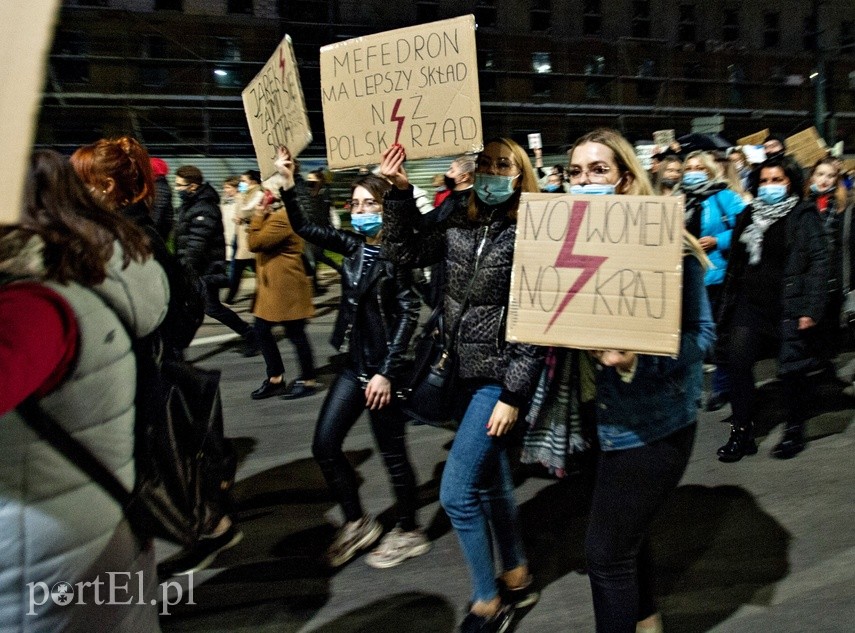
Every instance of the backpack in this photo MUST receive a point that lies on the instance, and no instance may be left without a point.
(183, 461)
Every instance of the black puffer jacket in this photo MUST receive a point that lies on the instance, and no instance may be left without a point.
(199, 241)
(805, 284)
(481, 254)
(162, 211)
(378, 311)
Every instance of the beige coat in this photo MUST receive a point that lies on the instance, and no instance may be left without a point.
(283, 292)
(244, 208)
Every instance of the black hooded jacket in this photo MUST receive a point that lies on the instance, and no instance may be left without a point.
(199, 241)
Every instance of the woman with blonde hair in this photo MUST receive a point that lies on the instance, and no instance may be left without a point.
(646, 417)
(495, 377)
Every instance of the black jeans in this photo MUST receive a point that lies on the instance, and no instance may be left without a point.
(631, 486)
(295, 331)
(344, 404)
(216, 310)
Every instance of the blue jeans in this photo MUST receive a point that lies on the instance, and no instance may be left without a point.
(477, 493)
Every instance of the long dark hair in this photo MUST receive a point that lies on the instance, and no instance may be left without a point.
(77, 232)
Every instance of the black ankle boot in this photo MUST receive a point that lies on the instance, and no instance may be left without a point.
(740, 444)
(792, 443)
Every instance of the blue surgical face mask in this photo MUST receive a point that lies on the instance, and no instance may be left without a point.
(694, 178)
(552, 188)
(816, 189)
(772, 194)
(492, 189)
(593, 189)
(368, 224)
(243, 187)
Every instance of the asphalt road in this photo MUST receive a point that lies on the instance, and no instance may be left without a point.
(759, 545)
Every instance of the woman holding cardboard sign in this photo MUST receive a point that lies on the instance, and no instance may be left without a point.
(646, 411)
(476, 243)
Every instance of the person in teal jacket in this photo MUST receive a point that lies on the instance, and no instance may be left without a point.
(711, 212)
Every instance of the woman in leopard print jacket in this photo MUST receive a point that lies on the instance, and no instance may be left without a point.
(497, 378)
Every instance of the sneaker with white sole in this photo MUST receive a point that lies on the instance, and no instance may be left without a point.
(397, 546)
(352, 537)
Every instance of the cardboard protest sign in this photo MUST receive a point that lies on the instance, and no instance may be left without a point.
(275, 108)
(664, 138)
(757, 138)
(535, 141)
(598, 272)
(645, 153)
(416, 86)
(807, 147)
(27, 32)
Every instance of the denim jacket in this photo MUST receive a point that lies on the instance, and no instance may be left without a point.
(664, 393)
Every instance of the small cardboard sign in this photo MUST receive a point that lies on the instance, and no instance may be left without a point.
(275, 108)
(664, 138)
(27, 32)
(535, 141)
(416, 86)
(807, 147)
(598, 272)
(758, 138)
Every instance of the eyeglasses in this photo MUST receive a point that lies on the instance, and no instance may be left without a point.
(367, 205)
(501, 166)
(596, 173)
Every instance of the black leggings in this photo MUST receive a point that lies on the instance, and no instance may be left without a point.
(631, 486)
(751, 340)
(295, 331)
(344, 404)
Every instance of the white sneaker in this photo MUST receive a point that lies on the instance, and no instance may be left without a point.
(397, 546)
(351, 538)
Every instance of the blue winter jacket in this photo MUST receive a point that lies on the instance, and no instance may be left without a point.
(664, 393)
(718, 217)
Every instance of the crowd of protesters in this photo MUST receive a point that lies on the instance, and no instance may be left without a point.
(766, 270)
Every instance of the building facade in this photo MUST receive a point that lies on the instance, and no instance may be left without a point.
(171, 71)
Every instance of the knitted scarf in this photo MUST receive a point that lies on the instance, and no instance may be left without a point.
(695, 195)
(762, 217)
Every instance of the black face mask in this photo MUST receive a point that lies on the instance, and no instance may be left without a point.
(450, 183)
(669, 182)
(774, 154)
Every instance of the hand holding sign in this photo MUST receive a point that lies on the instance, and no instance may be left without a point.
(392, 167)
(284, 164)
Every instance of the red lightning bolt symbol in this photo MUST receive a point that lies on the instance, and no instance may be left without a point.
(397, 118)
(568, 259)
(282, 64)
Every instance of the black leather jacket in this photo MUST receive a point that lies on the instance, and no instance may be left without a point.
(378, 311)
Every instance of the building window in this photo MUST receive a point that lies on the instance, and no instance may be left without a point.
(151, 73)
(693, 90)
(487, 80)
(427, 11)
(540, 15)
(240, 6)
(485, 13)
(227, 49)
(168, 5)
(809, 34)
(730, 28)
(771, 30)
(70, 64)
(316, 11)
(847, 37)
(687, 26)
(541, 64)
(595, 65)
(641, 18)
(592, 17)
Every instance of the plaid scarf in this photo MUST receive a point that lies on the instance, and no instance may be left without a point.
(762, 217)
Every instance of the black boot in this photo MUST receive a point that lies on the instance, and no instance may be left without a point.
(792, 443)
(740, 444)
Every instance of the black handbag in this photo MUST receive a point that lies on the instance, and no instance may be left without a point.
(428, 395)
(182, 459)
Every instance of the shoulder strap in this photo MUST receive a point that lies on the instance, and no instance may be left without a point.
(54, 434)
